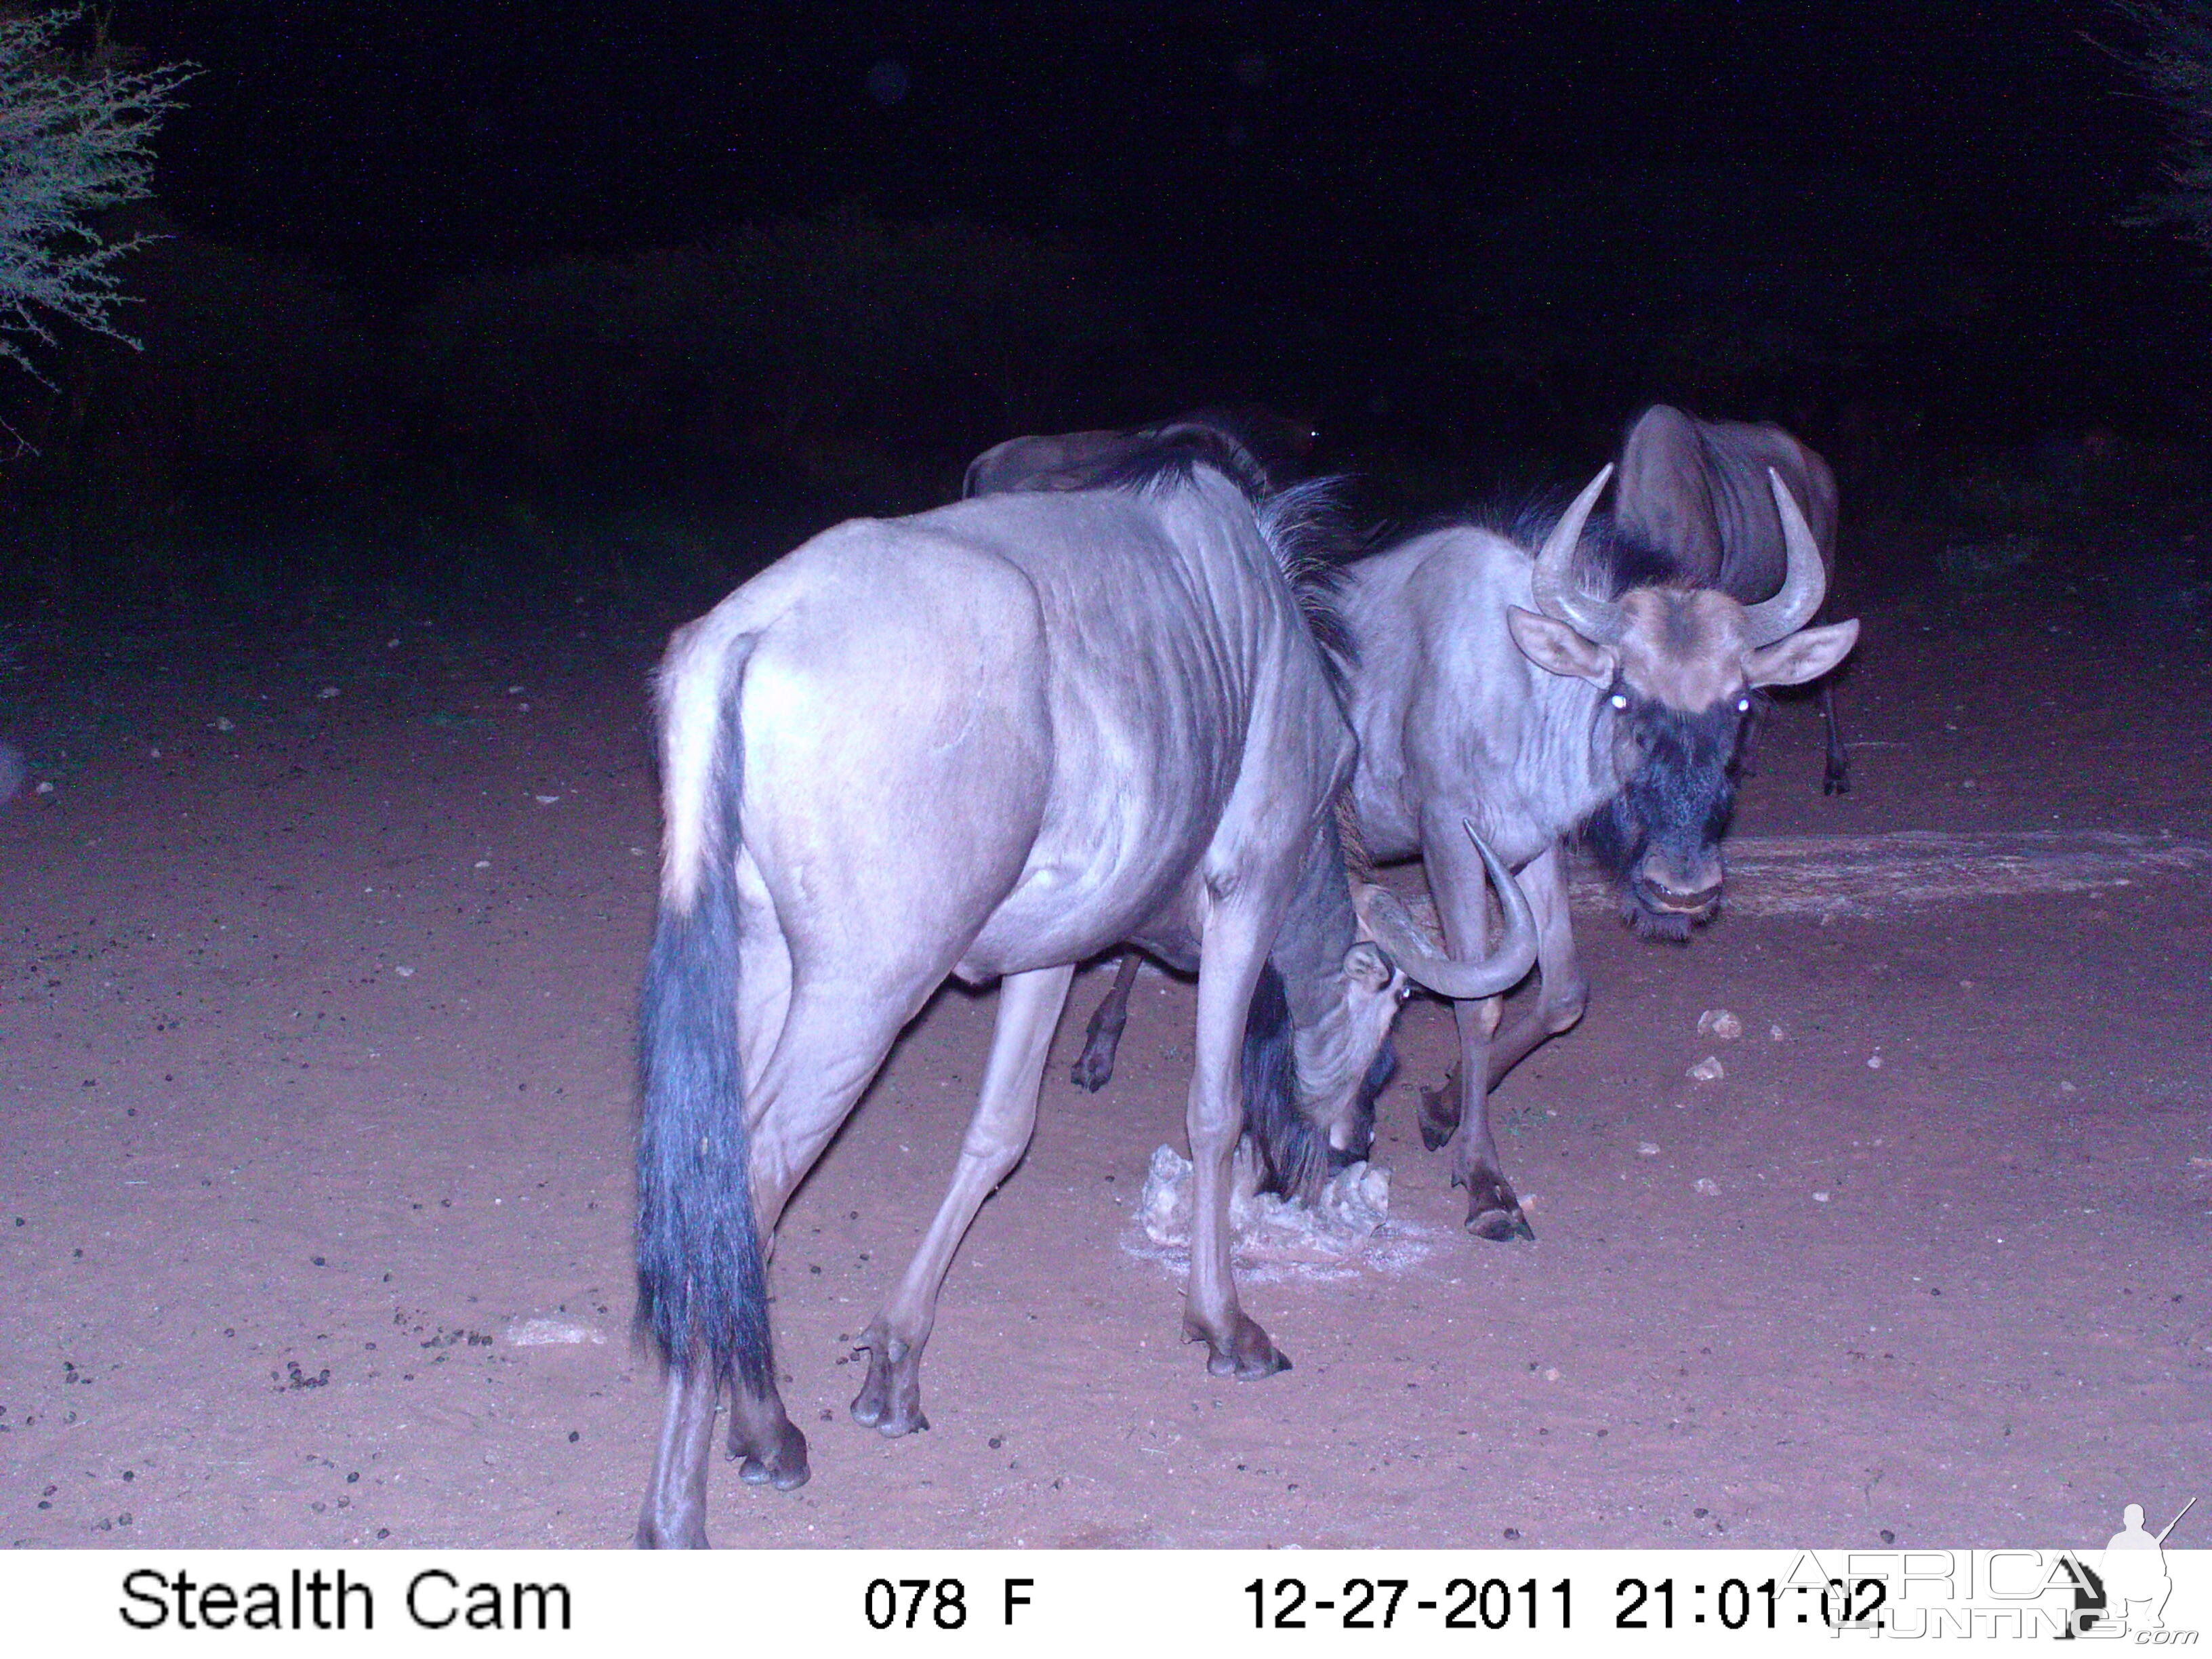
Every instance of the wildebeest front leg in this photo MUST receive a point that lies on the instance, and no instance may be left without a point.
(1440, 1106)
(1561, 991)
(1096, 1063)
(1233, 948)
(1029, 1005)
(1455, 879)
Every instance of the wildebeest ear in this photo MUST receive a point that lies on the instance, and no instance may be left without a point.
(1369, 966)
(1805, 655)
(1559, 649)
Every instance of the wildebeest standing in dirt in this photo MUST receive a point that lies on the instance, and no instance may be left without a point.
(1695, 493)
(990, 741)
(1532, 697)
(1535, 695)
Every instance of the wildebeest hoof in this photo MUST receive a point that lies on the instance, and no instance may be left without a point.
(893, 1421)
(1440, 1112)
(1094, 1067)
(1834, 785)
(683, 1532)
(889, 1401)
(1493, 1208)
(1247, 1355)
(1499, 1226)
(780, 1462)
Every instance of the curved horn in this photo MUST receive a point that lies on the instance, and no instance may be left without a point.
(1397, 932)
(1804, 582)
(1552, 580)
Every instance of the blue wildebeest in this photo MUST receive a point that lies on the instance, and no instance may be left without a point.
(1532, 696)
(1535, 695)
(1695, 492)
(990, 741)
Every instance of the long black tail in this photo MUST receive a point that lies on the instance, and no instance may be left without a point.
(702, 1286)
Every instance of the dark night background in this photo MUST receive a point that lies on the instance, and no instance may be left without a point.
(485, 288)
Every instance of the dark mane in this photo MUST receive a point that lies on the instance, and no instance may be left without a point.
(1293, 1157)
(1307, 529)
(1610, 561)
(1524, 518)
(1302, 524)
(1277, 445)
(1613, 559)
(1164, 457)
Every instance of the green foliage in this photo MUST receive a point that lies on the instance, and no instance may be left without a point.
(2175, 62)
(77, 132)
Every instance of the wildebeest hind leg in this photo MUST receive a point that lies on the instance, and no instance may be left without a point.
(767, 1446)
(1095, 1064)
(675, 1512)
(1029, 1005)
(1836, 779)
(832, 1041)
(1231, 957)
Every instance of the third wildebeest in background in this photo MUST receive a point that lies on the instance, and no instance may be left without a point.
(1695, 493)
(990, 742)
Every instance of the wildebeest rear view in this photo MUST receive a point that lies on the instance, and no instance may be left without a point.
(988, 741)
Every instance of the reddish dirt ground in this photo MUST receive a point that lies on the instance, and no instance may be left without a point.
(315, 1052)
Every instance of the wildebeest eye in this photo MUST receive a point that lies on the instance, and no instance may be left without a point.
(1619, 700)
(1743, 705)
